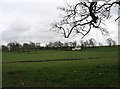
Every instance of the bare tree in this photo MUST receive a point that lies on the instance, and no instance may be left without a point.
(18, 46)
(74, 43)
(14, 46)
(70, 44)
(83, 16)
(11, 46)
(66, 44)
(26, 47)
(111, 42)
(92, 42)
(31, 45)
(4, 48)
(100, 44)
(58, 44)
(50, 44)
(86, 43)
(114, 43)
(37, 46)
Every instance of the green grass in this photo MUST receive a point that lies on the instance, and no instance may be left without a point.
(100, 71)
(45, 55)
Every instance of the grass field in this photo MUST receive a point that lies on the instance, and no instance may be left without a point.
(96, 67)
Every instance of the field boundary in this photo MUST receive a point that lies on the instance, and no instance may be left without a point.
(52, 60)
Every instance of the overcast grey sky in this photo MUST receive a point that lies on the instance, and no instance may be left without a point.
(29, 20)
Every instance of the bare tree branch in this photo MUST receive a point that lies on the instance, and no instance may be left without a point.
(83, 14)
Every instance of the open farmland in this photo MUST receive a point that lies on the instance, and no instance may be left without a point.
(91, 67)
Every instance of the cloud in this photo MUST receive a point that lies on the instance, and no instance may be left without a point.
(29, 20)
(22, 31)
(15, 30)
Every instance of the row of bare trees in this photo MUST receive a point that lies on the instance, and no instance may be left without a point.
(27, 47)
(15, 46)
(61, 44)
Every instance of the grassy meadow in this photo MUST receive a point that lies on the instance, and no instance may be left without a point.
(95, 67)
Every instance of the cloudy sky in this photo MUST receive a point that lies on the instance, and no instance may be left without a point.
(29, 20)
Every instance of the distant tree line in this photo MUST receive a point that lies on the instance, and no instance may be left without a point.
(56, 45)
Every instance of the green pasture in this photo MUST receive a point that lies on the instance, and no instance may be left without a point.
(97, 67)
(52, 54)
